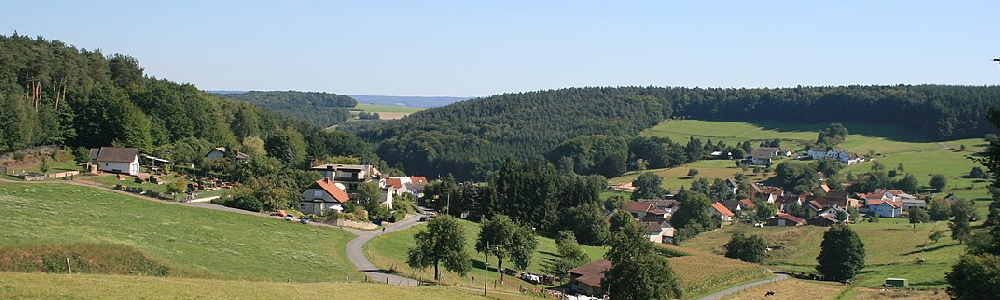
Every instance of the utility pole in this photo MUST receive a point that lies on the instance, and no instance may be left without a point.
(486, 262)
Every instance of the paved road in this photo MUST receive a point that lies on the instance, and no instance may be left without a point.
(735, 289)
(356, 253)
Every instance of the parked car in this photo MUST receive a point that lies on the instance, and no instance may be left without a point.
(290, 217)
(304, 220)
(422, 219)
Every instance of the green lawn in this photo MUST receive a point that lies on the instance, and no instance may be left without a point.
(385, 108)
(892, 249)
(674, 178)
(390, 249)
(191, 241)
(88, 286)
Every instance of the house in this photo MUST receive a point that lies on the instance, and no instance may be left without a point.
(586, 279)
(322, 195)
(886, 209)
(667, 206)
(720, 211)
(823, 220)
(351, 176)
(731, 185)
(742, 207)
(644, 210)
(817, 153)
(833, 212)
(659, 231)
(762, 156)
(222, 152)
(416, 185)
(116, 160)
(783, 219)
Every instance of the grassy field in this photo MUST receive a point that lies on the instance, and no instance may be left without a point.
(191, 242)
(80, 286)
(700, 273)
(892, 248)
(674, 178)
(389, 250)
(386, 112)
(794, 289)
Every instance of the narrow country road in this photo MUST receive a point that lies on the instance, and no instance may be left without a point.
(735, 289)
(356, 253)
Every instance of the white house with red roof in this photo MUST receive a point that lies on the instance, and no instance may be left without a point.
(720, 211)
(886, 209)
(324, 194)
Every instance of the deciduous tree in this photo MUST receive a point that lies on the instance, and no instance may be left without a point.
(841, 254)
(442, 242)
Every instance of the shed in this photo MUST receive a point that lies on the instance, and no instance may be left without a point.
(896, 282)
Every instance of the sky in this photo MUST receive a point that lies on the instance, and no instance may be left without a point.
(480, 48)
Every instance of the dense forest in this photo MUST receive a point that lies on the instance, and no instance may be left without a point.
(470, 138)
(53, 93)
(320, 109)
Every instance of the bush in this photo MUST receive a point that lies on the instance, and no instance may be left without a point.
(19, 156)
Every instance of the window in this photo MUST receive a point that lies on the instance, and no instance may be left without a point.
(318, 194)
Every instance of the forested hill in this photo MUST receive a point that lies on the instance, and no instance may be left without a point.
(54, 93)
(320, 109)
(471, 137)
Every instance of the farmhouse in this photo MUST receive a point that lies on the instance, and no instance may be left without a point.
(783, 219)
(886, 209)
(644, 210)
(840, 155)
(351, 176)
(222, 152)
(720, 211)
(322, 195)
(116, 160)
(586, 279)
(659, 231)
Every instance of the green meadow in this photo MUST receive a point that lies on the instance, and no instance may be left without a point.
(94, 286)
(188, 241)
(893, 248)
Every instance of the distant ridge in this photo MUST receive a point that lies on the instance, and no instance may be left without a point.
(410, 101)
(406, 101)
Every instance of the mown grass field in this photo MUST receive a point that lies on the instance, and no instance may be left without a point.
(794, 289)
(891, 145)
(892, 249)
(191, 242)
(89, 286)
(700, 273)
(389, 250)
(385, 112)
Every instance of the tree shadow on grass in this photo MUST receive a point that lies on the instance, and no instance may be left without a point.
(935, 248)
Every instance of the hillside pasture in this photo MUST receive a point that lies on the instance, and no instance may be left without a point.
(893, 248)
(700, 273)
(188, 241)
(385, 112)
(795, 289)
(89, 286)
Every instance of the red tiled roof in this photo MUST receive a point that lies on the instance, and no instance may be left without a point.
(420, 179)
(747, 203)
(592, 273)
(722, 209)
(394, 182)
(327, 185)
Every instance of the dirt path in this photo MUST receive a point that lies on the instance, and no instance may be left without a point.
(735, 289)
(943, 146)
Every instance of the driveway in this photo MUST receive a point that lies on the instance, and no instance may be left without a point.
(735, 289)
(356, 253)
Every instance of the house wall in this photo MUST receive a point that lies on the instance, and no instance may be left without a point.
(309, 206)
(386, 199)
(817, 154)
(124, 168)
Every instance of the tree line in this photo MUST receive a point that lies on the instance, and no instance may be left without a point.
(469, 138)
(317, 108)
(52, 93)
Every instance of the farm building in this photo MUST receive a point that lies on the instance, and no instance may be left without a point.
(586, 279)
(783, 219)
(116, 160)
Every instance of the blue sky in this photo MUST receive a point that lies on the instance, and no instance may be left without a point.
(472, 48)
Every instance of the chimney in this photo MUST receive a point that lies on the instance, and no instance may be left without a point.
(326, 180)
